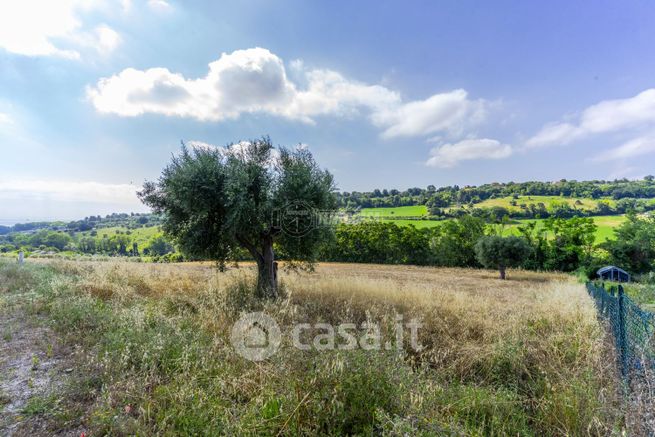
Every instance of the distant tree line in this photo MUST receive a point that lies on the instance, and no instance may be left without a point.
(122, 243)
(563, 242)
(559, 244)
(130, 221)
(450, 196)
(557, 209)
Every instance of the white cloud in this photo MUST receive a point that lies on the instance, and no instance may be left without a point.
(256, 81)
(5, 118)
(606, 116)
(201, 145)
(160, 5)
(631, 149)
(329, 93)
(108, 39)
(439, 113)
(555, 133)
(52, 28)
(239, 148)
(449, 155)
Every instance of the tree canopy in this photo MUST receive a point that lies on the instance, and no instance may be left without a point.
(217, 200)
(498, 252)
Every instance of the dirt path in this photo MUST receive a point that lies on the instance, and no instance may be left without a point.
(32, 368)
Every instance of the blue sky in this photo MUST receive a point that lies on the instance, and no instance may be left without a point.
(95, 96)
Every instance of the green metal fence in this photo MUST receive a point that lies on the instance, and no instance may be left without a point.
(632, 329)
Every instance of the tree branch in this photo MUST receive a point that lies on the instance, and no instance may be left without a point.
(250, 248)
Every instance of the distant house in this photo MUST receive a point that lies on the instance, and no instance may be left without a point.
(613, 273)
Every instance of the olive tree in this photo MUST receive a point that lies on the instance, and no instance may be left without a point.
(498, 252)
(218, 200)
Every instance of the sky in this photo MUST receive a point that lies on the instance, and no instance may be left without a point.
(96, 95)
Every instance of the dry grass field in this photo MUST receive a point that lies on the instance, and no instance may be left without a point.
(519, 357)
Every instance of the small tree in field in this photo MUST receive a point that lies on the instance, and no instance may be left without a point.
(217, 200)
(498, 252)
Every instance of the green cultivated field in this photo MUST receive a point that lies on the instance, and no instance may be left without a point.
(400, 211)
(505, 202)
(606, 225)
(417, 223)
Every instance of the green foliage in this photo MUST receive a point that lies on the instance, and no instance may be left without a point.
(498, 252)
(216, 201)
(50, 239)
(377, 242)
(455, 240)
(159, 246)
(572, 243)
(634, 246)
(387, 243)
(561, 244)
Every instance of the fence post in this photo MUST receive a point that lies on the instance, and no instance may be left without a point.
(622, 340)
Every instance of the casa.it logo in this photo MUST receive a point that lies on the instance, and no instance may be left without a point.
(256, 336)
(297, 218)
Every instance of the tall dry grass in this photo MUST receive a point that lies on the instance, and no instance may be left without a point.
(524, 356)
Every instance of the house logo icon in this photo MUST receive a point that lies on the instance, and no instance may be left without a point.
(256, 336)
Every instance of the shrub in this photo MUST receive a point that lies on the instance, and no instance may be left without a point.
(501, 252)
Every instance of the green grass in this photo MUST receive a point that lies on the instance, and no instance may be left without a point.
(606, 225)
(574, 202)
(400, 211)
(605, 231)
(643, 294)
(419, 224)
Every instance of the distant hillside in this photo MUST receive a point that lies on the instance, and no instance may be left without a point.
(129, 221)
(518, 200)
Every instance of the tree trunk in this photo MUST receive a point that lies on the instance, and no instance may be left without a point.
(502, 271)
(267, 270)
(266, 265)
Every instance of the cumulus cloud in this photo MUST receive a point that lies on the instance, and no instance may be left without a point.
(5, 118)
(439, 113)
(52, 28)
(604, 117)
(256, 81)
(449, 155)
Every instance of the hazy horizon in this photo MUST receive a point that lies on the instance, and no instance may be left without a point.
(106, 209)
